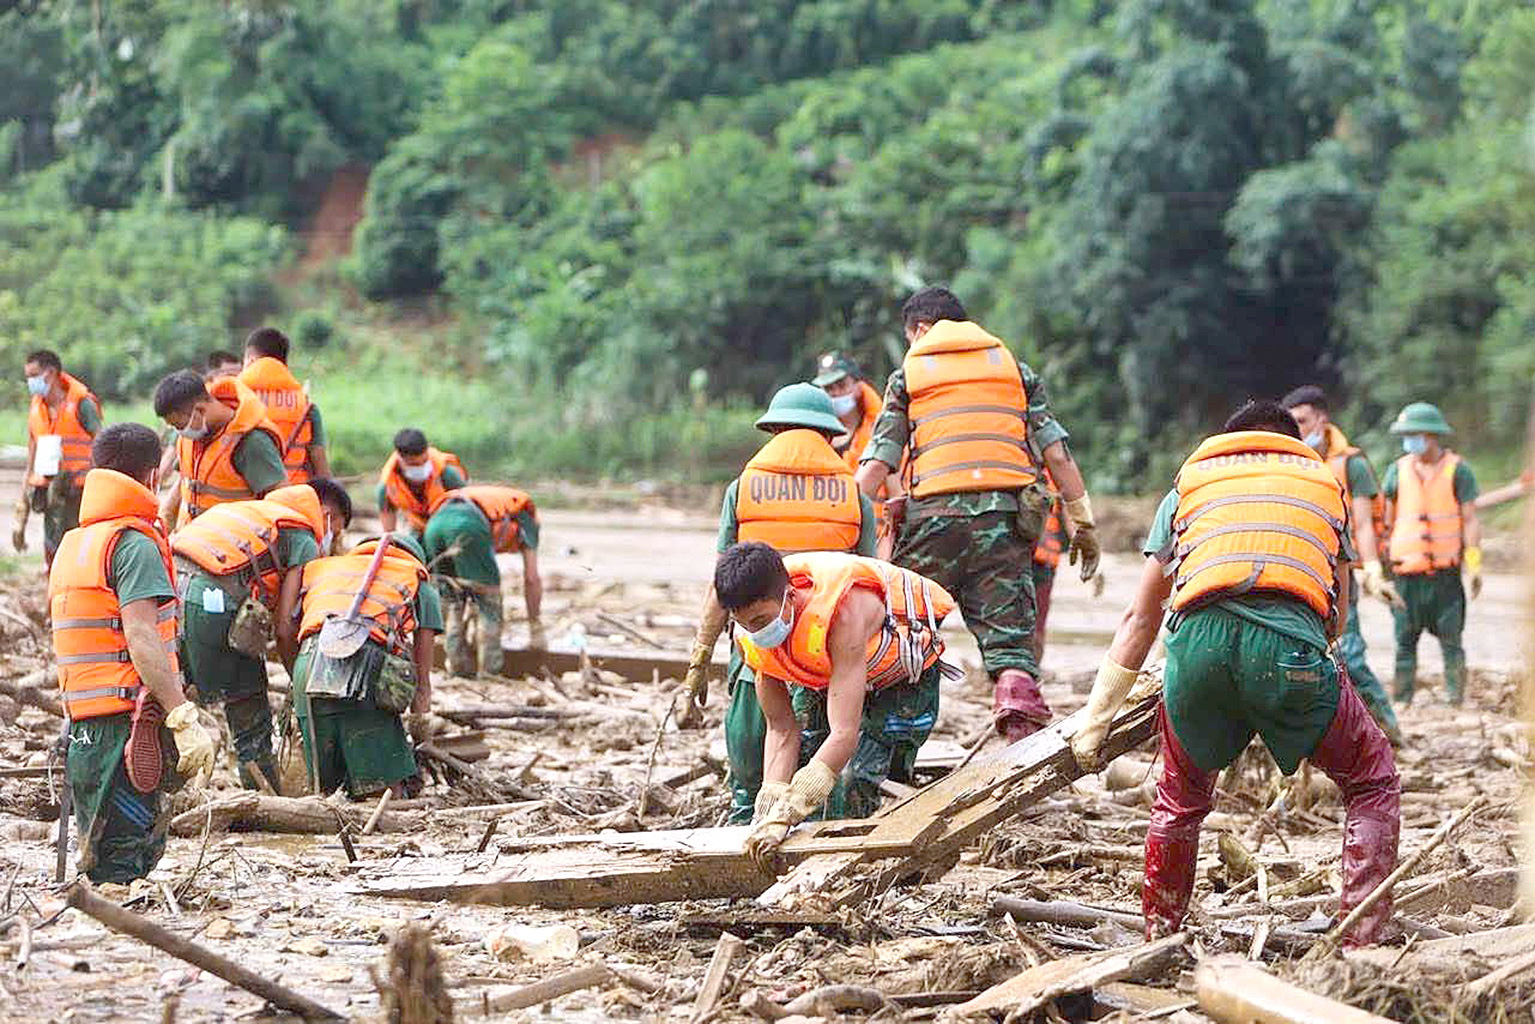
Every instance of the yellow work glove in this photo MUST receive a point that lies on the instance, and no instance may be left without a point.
(1372, 580)
(689, 711)
(536, 639)
(1472, 559)
(806, 792)
(1110, 688)
(19, 528)
(194, 744)
(767, 796)
(1084, 536)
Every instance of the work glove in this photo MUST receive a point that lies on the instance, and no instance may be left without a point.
(689, 711)
(194, 744)
(537, 641)
(1084, 537)
(423, 725)
(1372, 580)
(767, 797)
(806, 792)
(1110, 688)
(1472, 560)
(19, 527)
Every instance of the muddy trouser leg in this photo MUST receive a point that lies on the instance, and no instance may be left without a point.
(1184, 797)
(1351, 647)
(896, 722)
(455, 614)
(1044, 587)
(1356, 755)
(1447, 621)
(1409, 627)
(488, 605)
(250, 728)
(745, 734)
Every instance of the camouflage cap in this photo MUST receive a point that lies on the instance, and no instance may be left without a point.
(832, 367)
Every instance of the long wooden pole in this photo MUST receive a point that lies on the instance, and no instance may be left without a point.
(126, 921)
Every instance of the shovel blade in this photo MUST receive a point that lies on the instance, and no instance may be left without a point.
(342, 638)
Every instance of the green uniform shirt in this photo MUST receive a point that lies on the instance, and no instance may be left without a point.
(316, 425)
(1361, 477)
(259, 463)
(428, 608)
(892, 435)
(89, 418)
(868, 529)
(1284, 615)
(452, 480)
(138, 572)
(1466, 488)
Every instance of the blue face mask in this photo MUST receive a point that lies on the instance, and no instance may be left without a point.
(1415, 444)
(37, 385)
(775, 632)
(1315, 440)
(843, 404)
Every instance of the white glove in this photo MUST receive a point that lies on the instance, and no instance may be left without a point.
(193, 742)
(1110, 688)
(767, 796)
(806, 792)
(1372, 580)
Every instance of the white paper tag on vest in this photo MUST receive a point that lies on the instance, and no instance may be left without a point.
(213, 600)
(48, 455)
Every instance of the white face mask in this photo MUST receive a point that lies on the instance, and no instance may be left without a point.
(417, 474)
(843, 404)
(776, 632)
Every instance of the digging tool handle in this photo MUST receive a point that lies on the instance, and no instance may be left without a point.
(369, 577)
(120, 919)
(61, 845)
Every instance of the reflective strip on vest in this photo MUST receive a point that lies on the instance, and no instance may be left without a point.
(1426, 536)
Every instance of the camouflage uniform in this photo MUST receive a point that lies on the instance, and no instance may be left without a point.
(977, 545)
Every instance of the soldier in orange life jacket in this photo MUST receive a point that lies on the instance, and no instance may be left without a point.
(233, 565)
(113, 609)
(1436, 544)
(226, 446)
(287, 404)
(63, 418)
(1308, 404)
(846, 653)
(1251, 552)
(796, 494)
(414, 476)
(974, 431)
(857, 406)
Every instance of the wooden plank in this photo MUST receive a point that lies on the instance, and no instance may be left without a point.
(1024, 993)
(1236, 991)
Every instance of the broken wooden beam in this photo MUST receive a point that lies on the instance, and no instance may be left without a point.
(1236, 991)
(256, 812)
(36, 690)
(1064, 912)
(562, 984)
(1023, 994)
(716, 976)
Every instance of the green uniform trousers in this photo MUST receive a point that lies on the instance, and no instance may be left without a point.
(219, 674)
(60, 515)
(122, 831)
(350, 742)
(745, 734)
(1436, 602)
(470, 584)
(1228, 677)
(987, 567)
(897, 720)
(1351, 649)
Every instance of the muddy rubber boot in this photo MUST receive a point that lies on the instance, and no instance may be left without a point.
(1017, 707)
(1356, 755)
(488, 659)
(1185, 794)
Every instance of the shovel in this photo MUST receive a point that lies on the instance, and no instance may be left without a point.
(344, 637)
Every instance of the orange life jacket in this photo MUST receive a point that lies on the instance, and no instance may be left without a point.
(1339, 451)
(208, 474)
(240, 537)
(402, 493)
(797, 494)
(41, 422)
(1052, 540)
(969, 413)
(908, 644)
(330, 585)
(96, 672)
(500, 505)
(288, 407)
(1257, 511)
(1426, 532)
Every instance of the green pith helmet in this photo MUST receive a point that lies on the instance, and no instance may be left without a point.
(832, 367)
(801, 405)
(1421, 418)
(408, 541)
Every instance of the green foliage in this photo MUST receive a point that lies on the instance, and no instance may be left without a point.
(313, 329)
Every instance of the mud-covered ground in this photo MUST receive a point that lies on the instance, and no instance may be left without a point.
(279, 903)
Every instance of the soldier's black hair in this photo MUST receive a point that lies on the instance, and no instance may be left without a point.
(930, 305)
(268, 341)
(410, 441)
(748, 572)
(218, 357)
(332, 493)
(1263, 414)
(178, 392)
(130, 448)
(1306, 394)
(46, 358)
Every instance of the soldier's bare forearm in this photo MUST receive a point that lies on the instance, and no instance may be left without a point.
(150, 658)
(1065, 471)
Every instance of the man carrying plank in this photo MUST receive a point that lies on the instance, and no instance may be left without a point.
(845, 650)
(1252, 547)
